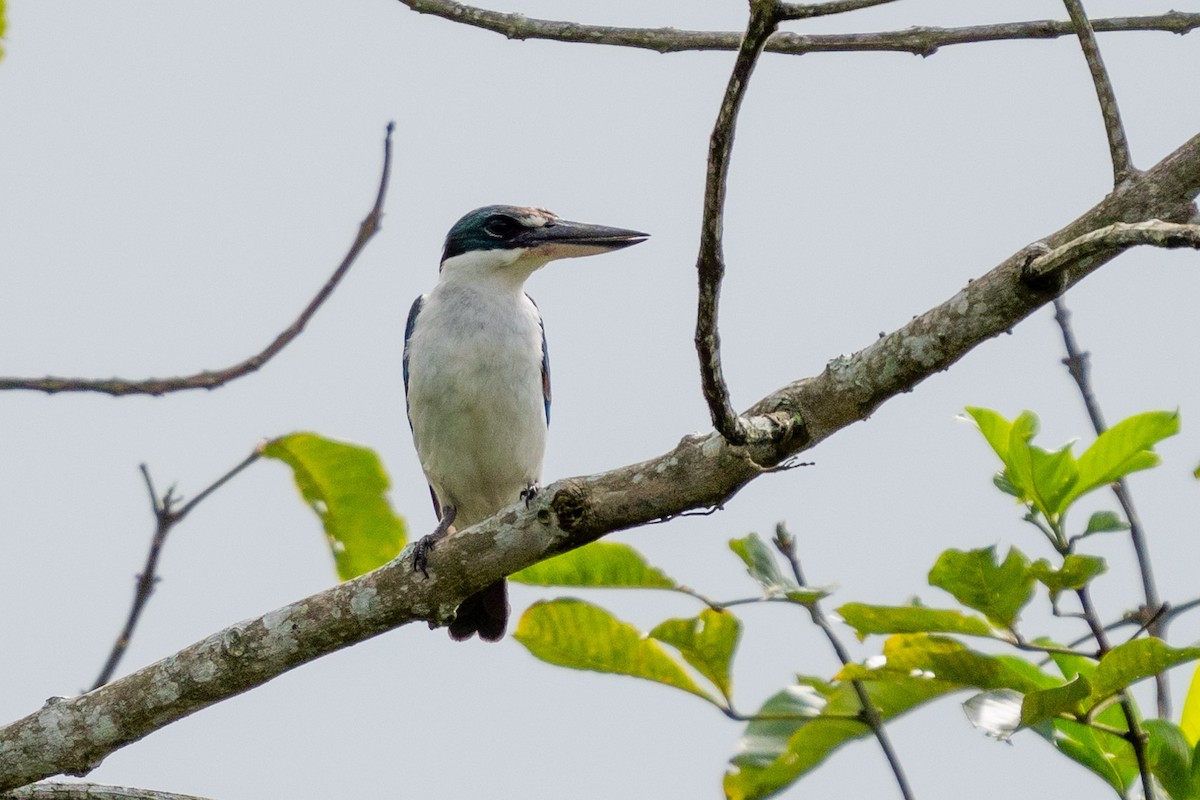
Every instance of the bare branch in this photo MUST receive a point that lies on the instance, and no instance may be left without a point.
(213, 379)
(786, 544)
(923, 40)
(710, 263)
(166, 517)
(1135, 735)
(72, 735)
(1077, 364)
(794, 11)
(1118, 236)
(1118, 144)
(89, 791)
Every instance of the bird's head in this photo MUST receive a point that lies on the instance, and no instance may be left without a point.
(513, 241)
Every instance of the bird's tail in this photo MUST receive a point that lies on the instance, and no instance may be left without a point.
(485, 613)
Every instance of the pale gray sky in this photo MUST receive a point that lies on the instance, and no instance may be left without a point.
(176, 180)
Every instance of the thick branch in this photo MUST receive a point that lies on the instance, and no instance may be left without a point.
(1118, 144)
(73, 735)
(710, 263)
(89, 791)
(213, 379)
(923, 41)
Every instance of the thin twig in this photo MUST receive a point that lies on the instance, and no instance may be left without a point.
(1107, 241)
(1139, 618)
(211, 379)
(1021, 643)
(795, 11)
(166, 517)
(710, 263)
(922, 40)
(1078, 365)
(790, 716)
(1118, 144)
(786, 544)
(1135, 736)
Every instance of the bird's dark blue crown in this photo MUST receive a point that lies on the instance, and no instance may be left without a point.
(490, 228)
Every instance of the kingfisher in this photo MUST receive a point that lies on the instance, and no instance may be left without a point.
(477, 376)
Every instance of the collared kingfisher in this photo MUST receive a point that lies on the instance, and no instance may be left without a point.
(477, 376)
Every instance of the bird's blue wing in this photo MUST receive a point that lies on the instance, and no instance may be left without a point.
(408, 330)
(545, 362)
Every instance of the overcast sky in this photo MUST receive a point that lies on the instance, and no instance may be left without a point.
(177, 180)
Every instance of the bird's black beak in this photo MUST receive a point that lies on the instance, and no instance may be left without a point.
(562, 238)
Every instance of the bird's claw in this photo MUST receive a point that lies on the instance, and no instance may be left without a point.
(425, 544)
(420, 556)
(530, 492)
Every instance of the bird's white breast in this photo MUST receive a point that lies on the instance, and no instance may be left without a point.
(475, 396)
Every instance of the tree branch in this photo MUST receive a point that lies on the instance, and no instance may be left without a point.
(1118, 144)
(166, 517)
(786, 544)
(213, 379)
(1077, 364)
(72, 735)
(1135, 736)
(1118, 236)
(922, 40)
(89, 791)
(710, 263)
(795, 11)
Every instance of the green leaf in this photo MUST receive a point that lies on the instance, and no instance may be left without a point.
(1109, 757)
(1190, 718)
(598, 565)
(782, 715)
(1001, 482)
(1076, 572)
(1000, 591)
(1170, 758)
(346, 486)
(1053, 476)
(1105, 522)
(763, 566)
(916, 668)
(995, 429)
(579, 635)
(1018, 463)
(707, 642)
(868, 619)
(774, 753)
(948, 661)
(1128, 663)
(1044, 704)
(1068, 664)
(1122, 449)
(807, 595)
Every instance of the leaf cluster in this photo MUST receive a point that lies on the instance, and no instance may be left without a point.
(1070, 700)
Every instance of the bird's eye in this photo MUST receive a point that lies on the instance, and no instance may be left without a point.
(501, 227)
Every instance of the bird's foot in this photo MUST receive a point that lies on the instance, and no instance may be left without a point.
(530, 492)
(421, 554)
(425, 544)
